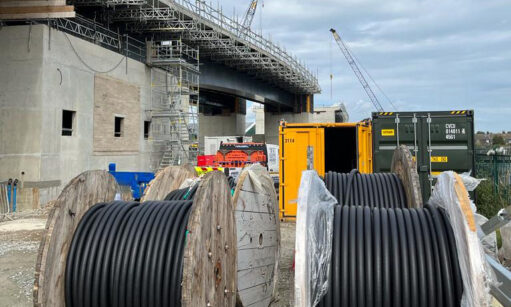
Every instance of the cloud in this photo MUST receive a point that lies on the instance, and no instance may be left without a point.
(426, 55)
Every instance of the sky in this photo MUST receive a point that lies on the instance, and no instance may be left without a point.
(426, 55)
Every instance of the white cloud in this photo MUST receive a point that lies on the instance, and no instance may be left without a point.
(426, 55)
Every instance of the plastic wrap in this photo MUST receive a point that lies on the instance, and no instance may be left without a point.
(314, 226)
(189, 182)
(489, 241)
(470, 182)
(474, 268)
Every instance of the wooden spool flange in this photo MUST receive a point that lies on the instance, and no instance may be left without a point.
(258, 237)
(406, 169)
(167, 180)
(209, 264)
(82, 192)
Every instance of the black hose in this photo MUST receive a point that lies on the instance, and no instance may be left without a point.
(128, 254)
(183, 194)
(381, 190)
(393, 257)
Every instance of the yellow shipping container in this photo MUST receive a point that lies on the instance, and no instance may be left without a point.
(324, 147)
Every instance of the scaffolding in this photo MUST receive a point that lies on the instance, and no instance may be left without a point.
(174, 100)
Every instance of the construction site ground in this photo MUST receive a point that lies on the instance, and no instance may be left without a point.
(20, 235)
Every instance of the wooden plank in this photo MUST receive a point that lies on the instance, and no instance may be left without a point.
(36, 9)
(209, 264)
(258, 237)
(260, 277)
(37, 16)
(18, 3)
(78, 196)
(406, 169)
(4, 202)
(166, 181)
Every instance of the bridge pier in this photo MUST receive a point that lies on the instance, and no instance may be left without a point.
(227, 120)
(272, 122)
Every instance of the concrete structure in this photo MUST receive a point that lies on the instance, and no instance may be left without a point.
(330, 114)
(44, 74)
(267, 123)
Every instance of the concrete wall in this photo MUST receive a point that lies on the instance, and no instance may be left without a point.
(42, 76)
(220, 125)
(272, 122)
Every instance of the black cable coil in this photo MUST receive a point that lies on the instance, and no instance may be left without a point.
(393, 257)
(380, 190)
(128, 254)
(183, 194)
(232, 182)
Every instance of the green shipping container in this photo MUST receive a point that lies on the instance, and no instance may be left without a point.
(439, 141)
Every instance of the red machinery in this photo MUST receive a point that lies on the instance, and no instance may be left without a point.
(239, 154)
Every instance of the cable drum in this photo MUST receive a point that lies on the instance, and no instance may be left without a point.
(128, 253)
(380, 190)
(98, 252)
(393, 257)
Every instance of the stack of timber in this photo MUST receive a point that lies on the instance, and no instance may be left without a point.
(35, 9)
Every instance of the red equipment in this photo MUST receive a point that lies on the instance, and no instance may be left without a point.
(240, 154)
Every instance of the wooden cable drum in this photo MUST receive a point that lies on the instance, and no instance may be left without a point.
(167, 180)
(406, 169)
(76, 239)
(258, 237)
(209, 267)
(77, 197)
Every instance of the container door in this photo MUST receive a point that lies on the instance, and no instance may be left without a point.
(302, 148)
(365, 148)
(391, 131)
(450, 139)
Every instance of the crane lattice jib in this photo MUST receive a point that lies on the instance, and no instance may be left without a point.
(357, 71)
(249, 16)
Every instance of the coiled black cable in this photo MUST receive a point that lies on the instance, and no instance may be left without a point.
(232, 182)
(183, 194)
(393, 257)
(128, 254)
(189, 193)
(380, 190)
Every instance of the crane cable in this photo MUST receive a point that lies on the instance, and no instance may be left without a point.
(128, 254)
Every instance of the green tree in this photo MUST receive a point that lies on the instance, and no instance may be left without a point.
(498, 140)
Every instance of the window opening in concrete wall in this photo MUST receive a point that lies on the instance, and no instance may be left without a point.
(147, 129)
(119, 127)
(68, 122)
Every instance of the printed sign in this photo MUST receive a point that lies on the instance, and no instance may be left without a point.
(439, 159)
(387, 132)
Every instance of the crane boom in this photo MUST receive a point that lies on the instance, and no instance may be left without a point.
(357, 71)
(249, 16)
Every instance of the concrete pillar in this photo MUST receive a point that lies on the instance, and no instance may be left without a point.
(220, 125)
(272, 121)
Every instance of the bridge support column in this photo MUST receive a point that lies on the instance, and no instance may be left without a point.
(225, 123)
(272, 122)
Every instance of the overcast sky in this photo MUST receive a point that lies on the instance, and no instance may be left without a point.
(425, 55)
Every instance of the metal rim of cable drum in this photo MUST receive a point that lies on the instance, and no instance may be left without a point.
(380, 190)
(208, 273)
(404, 165)
(76, 198)
(168, 180)
(393, 257)
(258, 237)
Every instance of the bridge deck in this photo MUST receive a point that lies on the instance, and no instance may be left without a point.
(219, 38)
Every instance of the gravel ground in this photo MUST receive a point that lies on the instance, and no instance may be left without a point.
(286, 273)
(19, 241)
